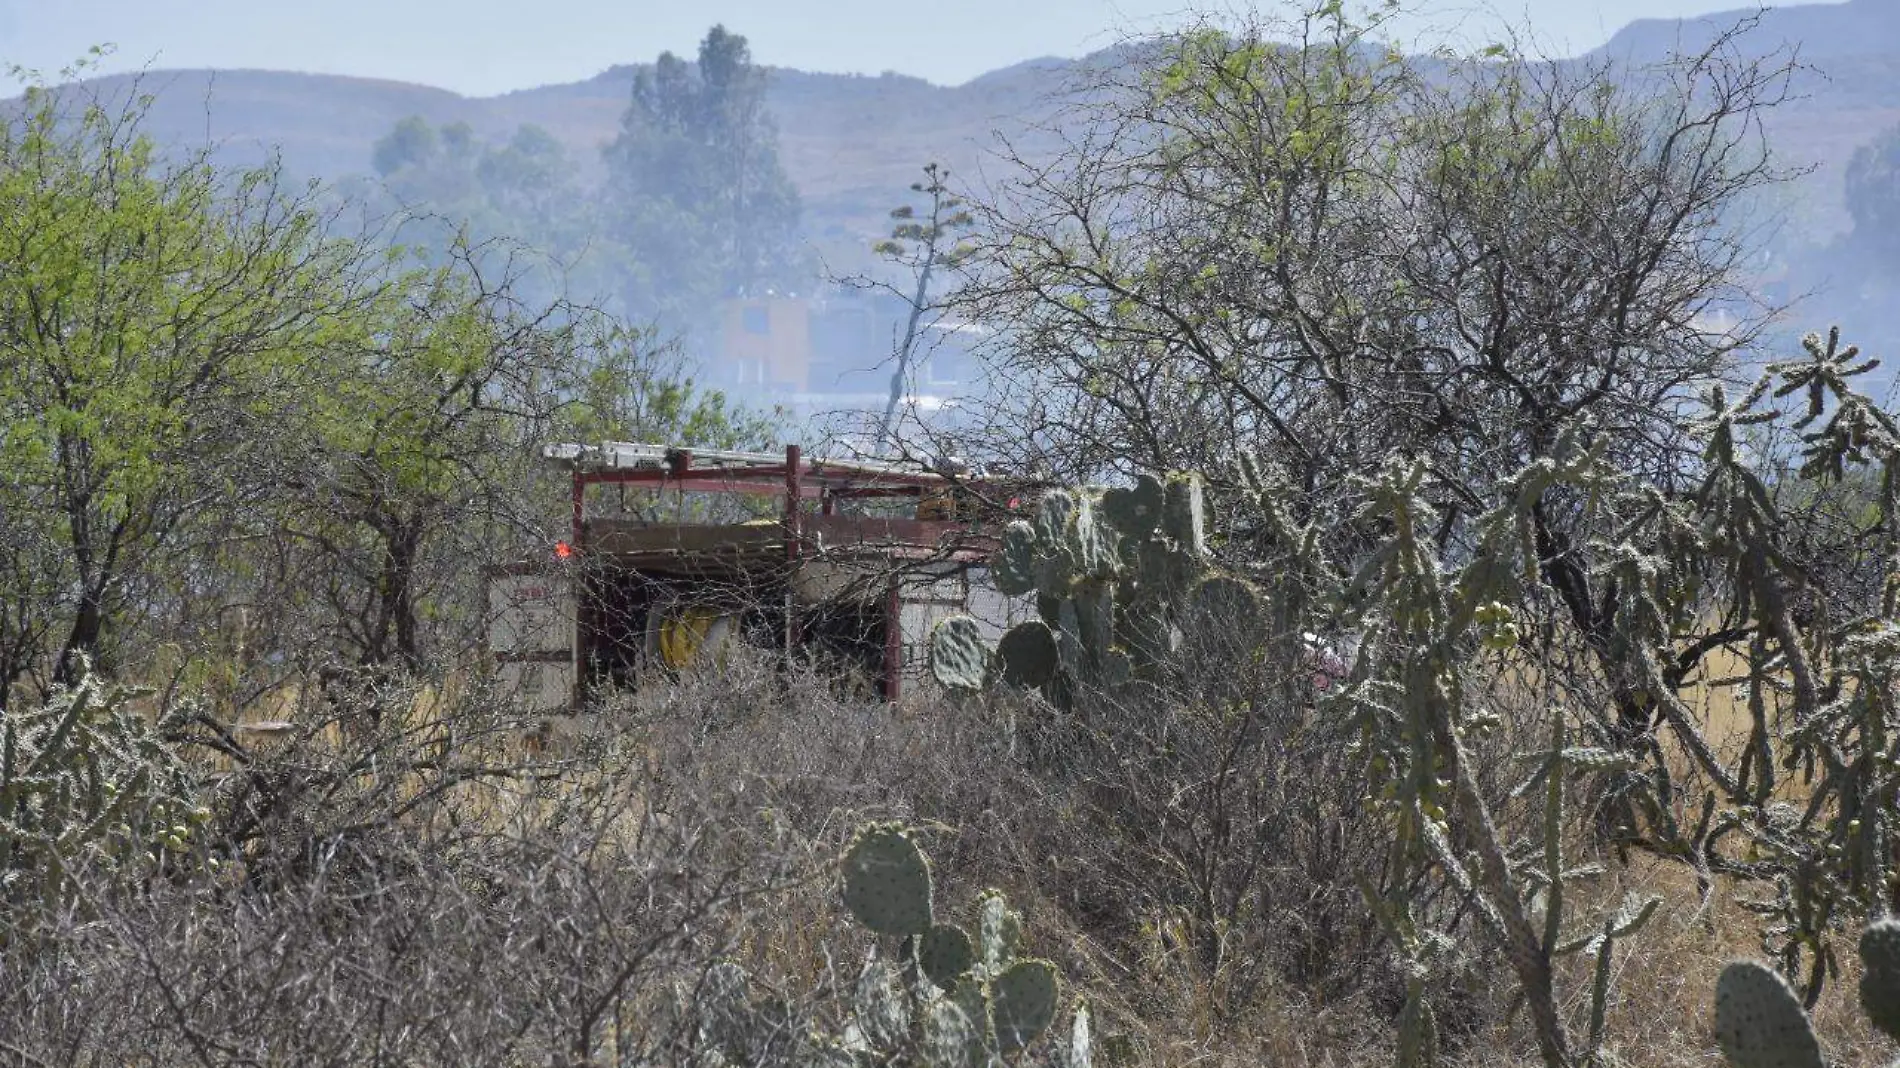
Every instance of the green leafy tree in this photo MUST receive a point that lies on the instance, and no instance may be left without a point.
(1458, 317)
(422, 410)
(1326, 255)
(146, 310)
(411, 459)
(696, 169)
(1873, 195)
(528, 179)
(634, 388)
(448, 188)
(412, 143)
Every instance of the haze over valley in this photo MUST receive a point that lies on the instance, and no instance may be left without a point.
(851, 145)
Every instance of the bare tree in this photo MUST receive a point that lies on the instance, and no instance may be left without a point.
(1321, 255)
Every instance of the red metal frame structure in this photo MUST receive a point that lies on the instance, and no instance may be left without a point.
(799, 480)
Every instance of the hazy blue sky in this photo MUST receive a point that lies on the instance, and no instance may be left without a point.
(491, 46)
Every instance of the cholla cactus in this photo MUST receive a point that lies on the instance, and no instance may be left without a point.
(1453, 581)
(949, 999)
(85, 777)
(1125, 588)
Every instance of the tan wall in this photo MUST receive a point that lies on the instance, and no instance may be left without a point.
(768, 333)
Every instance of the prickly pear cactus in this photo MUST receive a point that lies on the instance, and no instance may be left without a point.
(1029, 655)
(1183, 513)
(882, 1012)
(1880, 975)
(1097, 545)
(1115, 573)
(1014, 566)
(957, 1028)
(1052, 516)
(1081, 1051)
(1134, 511)
(1023, 1003)
(945, 955)
(1759, 1022)
(887, 881)
(980, 1006)
(1091, 617)
(959, 657)
(999, 928)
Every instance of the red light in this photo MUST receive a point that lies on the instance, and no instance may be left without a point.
(563, 550)
(1015, 503)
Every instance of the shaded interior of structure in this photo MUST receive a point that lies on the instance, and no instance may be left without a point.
(625, 604)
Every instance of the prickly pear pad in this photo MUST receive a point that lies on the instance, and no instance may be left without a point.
(1880, 975)
(1028, 654)
(1133, 511)
(1759, 1022)
(959, 658)
(1014, 566)
(1023, 1003)
(945, 954)
(887, 881)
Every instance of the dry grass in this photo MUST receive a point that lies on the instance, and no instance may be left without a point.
(1662, 1008)
(1665, 977)
(794, 756)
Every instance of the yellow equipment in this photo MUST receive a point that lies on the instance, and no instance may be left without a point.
(689, 631)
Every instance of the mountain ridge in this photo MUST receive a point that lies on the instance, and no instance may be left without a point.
(1829, 30)
(852, 142)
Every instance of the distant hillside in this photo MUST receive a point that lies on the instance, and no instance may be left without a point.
(1823, 31)
(853, 143)
(1849, 93)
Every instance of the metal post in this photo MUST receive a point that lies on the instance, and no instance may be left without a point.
(578, 576)
(893, 643)
(794, 485)
(580, 511)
